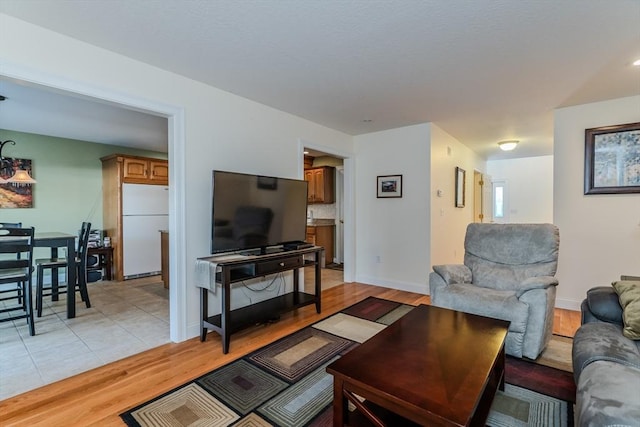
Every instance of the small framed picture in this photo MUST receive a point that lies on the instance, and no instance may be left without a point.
(389, 186)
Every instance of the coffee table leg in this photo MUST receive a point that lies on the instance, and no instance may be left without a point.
(340, 410)
(502, 362)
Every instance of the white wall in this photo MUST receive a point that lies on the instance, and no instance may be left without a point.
(529, 184)
(448, 223)
(394, 229)
(221, 131)
(599, 234)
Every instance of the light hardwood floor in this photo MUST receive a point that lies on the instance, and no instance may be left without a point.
(97, 397)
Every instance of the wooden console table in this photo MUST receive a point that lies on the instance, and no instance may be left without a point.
(234, 270)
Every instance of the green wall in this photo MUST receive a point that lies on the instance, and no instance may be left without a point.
(69, 175)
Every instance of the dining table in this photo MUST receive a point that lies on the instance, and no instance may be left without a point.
(56, 240)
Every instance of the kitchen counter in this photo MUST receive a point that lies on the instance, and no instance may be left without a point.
(320, 232)
(319, 222)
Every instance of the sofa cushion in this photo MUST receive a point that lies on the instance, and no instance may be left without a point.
(608, 395)
(604, 304)
(602, 341)
(629, 295)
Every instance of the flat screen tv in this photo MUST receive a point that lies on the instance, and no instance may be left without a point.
(252, 211)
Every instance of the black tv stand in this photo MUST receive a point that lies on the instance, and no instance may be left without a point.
(248, 267)
(294, 246)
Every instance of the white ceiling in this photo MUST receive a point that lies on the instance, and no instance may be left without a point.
(482, 70)
(44, 111)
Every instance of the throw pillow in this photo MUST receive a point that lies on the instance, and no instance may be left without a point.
(629, 294)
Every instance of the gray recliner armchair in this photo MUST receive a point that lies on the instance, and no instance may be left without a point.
(508, 274)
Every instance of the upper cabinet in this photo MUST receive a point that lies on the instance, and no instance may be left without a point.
(321, 184)
(141, 170)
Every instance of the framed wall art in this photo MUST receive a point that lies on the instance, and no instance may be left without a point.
(460, 187)
(389, 186)
(612, 159)
(15, 194)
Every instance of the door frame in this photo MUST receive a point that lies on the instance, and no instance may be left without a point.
(175, 116)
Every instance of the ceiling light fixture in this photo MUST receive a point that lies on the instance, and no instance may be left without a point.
(508, 145)
(636, 62)
(18, 176)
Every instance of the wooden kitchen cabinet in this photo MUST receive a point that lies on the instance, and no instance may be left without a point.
(140, 170)
(321, 184)
(322, 235)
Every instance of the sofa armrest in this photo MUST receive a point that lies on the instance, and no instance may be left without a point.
(602, 341)
(602, 304)
(539, 282)
(453, 273)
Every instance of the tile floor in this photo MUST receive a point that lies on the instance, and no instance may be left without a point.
(125, 318)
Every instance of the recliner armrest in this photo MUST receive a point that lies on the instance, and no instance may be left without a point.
(539, 282)
(453, 273)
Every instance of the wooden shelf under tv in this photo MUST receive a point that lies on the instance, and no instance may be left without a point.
(238, 269)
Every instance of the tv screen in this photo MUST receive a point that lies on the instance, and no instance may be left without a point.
(251, 211)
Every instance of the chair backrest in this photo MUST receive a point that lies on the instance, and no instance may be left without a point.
(10, 225)
(83, 246)
(501, 256)
(16, 250)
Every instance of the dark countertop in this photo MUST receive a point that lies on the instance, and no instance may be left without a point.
(321, 222)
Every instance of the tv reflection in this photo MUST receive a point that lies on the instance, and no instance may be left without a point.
(249, 228)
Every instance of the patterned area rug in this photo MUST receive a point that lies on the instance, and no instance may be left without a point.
(286, 384)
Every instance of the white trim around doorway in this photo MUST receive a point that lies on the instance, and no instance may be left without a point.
(177, 176)
(349, 207)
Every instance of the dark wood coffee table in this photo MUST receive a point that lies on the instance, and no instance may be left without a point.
(433, 366)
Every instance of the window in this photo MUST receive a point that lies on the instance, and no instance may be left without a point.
(500, 201)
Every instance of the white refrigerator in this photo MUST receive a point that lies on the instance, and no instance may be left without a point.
(145, 211)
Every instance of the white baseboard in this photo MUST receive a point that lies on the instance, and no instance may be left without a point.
(568, 304)
(419, 288)
(193, 330)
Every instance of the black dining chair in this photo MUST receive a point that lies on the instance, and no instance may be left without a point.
(18, 287)
(16, 257)
(57, 263)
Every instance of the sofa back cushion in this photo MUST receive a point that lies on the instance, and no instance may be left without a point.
(501, 256)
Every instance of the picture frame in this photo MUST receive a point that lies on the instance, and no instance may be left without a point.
(389, 186)
(15, 195)
(461, 175)
(612, 159)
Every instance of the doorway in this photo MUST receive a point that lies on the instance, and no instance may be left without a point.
(325, 211)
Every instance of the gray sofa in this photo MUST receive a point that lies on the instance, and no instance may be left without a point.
(508, 273)
(606, 364)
